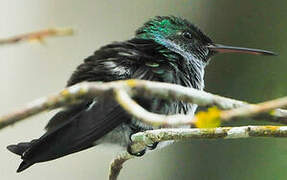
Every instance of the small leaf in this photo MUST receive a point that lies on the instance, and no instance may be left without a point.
(209, 119)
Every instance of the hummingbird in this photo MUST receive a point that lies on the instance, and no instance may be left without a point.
(165, 49)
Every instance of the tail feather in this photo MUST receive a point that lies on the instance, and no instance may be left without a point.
(20, 149)
(77, 133)
(24, 165)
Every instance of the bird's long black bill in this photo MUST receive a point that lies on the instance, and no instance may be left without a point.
(230, 49)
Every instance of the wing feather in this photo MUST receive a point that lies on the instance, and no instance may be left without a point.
(78, 133)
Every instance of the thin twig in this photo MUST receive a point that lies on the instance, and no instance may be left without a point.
(179, 134)
(38, 35)
(142, 114)
(117, 164)
(251, 110)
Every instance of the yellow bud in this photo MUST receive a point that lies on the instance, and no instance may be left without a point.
(209, 119)
(131, 82)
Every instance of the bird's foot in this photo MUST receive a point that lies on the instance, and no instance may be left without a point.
(138, 154)
(129, 149)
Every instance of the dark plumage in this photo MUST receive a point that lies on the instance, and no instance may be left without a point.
(165, 49)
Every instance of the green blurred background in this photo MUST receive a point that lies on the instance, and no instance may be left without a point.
(29, 71)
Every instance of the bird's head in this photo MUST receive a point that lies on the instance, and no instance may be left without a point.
(181, 36)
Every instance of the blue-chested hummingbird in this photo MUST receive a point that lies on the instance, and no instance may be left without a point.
(165, 49)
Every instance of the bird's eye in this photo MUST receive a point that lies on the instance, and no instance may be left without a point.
(187, 35)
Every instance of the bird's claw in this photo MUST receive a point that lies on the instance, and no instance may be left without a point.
(152, 146)
(138, 154)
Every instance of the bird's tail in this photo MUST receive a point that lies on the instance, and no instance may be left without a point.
(20, 149)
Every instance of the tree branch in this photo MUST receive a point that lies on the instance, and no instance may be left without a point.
(122, 90)
(37, 36)
(142, 139)
(178, 134)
